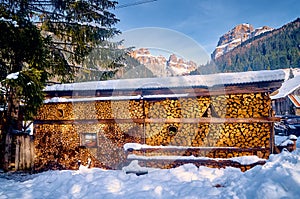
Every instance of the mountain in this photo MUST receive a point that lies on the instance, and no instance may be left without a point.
(236, 36)
(161, 66)
(258, 49)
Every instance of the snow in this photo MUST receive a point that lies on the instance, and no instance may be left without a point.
(287, 87)
(246, 24)
(112, 98)
(134, 146)
(166, 96)
(137, 146)
(235, 41)
(134, 167)
(92, 24)
(144, 55)
(13, 75)
(175, 82)
(180, 70)
(261, 31)
(287, 142)
(293, 137)
(15, 23)
(56, 99)
(99, 12)
(278, 178)
(245, 160)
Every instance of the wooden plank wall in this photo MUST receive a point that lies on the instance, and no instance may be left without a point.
(19, 152)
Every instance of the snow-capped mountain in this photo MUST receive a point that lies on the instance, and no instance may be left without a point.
(236, 36)
(160, 66)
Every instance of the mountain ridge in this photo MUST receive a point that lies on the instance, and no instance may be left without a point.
(161, 66)
(237, 35)
(276, 49)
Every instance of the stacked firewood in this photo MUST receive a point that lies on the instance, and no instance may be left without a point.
(177, 108)
(127, 109)
(61, 145)
(242, 135)
(58, 147)
(118, 109)
(241, 105)
(55, 111)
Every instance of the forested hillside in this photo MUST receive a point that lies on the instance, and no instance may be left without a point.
(276, 49)
(279, 48)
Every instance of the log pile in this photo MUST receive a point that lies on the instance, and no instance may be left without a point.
(119, 109)
(130, 109)
(177, 108)
(111, 140)
(213, 135)
(55, 111)
(251, 105)
(60, 145)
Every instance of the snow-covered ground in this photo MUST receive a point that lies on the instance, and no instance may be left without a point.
(278, 178)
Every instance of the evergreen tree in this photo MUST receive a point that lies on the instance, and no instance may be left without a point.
(42, 41)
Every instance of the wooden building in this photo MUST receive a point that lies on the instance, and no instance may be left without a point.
(176, 120)
(286, 100)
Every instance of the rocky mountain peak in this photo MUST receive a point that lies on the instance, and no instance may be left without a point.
(162, 66)
(239, 32)
(236, 36)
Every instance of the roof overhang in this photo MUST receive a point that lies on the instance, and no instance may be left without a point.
(197, 85)
(295, 99)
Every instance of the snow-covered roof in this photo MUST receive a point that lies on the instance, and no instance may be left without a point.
(111, 98)
(287, 87)
(295, 99)
(207, 81)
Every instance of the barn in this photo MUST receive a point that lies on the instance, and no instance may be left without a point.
(160, 122)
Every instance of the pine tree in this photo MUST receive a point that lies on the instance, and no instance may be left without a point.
(103, 62)
(42, 41)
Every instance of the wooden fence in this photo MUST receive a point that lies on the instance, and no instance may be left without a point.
(19, 152)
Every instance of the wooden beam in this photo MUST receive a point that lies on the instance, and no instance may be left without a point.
(212, 120)
(201, 120)
(174, 148)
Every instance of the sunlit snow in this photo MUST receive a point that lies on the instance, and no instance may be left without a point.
(278, 178)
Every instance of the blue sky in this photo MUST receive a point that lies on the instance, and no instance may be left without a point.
(204, 21)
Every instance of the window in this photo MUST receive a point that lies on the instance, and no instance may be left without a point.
(89, 139)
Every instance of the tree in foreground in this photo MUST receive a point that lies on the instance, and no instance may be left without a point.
(42, 41)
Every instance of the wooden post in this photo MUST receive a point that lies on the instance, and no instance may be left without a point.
(272, 139)
(31, 152)
(27, 152)
(17, 156)
(7, 152)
